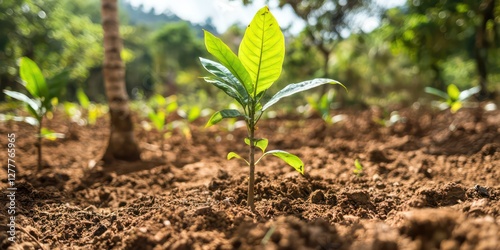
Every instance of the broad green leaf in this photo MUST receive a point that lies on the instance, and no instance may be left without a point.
(223, 73)
(436, 92)
(468, 93)
(226, 57)
(33, 78)
(260, 143)
(230, 91)
(225, 113)
(83, 99)
(298, 87)
(453, 92)
(33, 105)
(262, 50)
(289, 158)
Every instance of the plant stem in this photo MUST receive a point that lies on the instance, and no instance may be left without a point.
(40, 144)
(162, 147)
(251, 180)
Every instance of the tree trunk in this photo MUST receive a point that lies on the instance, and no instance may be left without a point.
(122, 144)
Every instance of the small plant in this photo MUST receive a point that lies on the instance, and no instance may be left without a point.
(389, 119)
(94, 111)
(247, 77)
(42, 92)
(323, 106)
(453, 98)
(358, 168)
(158, 113)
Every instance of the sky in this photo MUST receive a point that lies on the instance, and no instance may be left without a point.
(224, 13)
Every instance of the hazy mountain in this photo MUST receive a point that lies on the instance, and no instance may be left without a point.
(140, 16)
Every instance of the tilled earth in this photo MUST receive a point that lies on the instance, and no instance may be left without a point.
(429, 181)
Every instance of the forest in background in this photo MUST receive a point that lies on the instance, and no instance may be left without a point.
(421, 43)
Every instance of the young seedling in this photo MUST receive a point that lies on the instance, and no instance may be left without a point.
(158, 113)
(247, 77)
(42, 92)
(94, 111)
(323, 106)
(453, 98)
(358, 168)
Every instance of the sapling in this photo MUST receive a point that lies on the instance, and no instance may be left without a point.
(94, 111)
(158, 113)
(453, 98)
(323, 106)
(247, 77)
(42, 93)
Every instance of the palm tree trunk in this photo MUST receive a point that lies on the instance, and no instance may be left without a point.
(122, 144)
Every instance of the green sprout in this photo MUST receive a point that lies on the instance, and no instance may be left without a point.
(323, 106)
(247, 77)
(158, 113)
(42, 92)
(358, 168)
(94, 110)
(453, 98)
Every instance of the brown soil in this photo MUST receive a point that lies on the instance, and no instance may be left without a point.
(431, 182)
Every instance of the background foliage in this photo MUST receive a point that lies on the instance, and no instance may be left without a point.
(421, 43)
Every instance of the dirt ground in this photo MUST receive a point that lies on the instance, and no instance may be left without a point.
(431, 181)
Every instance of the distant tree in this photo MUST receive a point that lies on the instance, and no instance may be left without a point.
(174, 47)
(122, 144)
(47, 32)
(432, 31)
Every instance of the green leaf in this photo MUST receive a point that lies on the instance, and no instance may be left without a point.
(225, 113)
(230, 91)
(436, 92)
(453, 92)
(232, 155)
(260, 143)
(93, 113)
(226, 57)
(158, 119)
(34, 105)
(50, 135)
(358, 168)
(172, 104)
(455, 106)
(83, 99)
(468, 93)
(157, 100)
(262, 50)
(222, 73)
(193, 113)
(298, 87)
(289, 158)
(33, 78)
